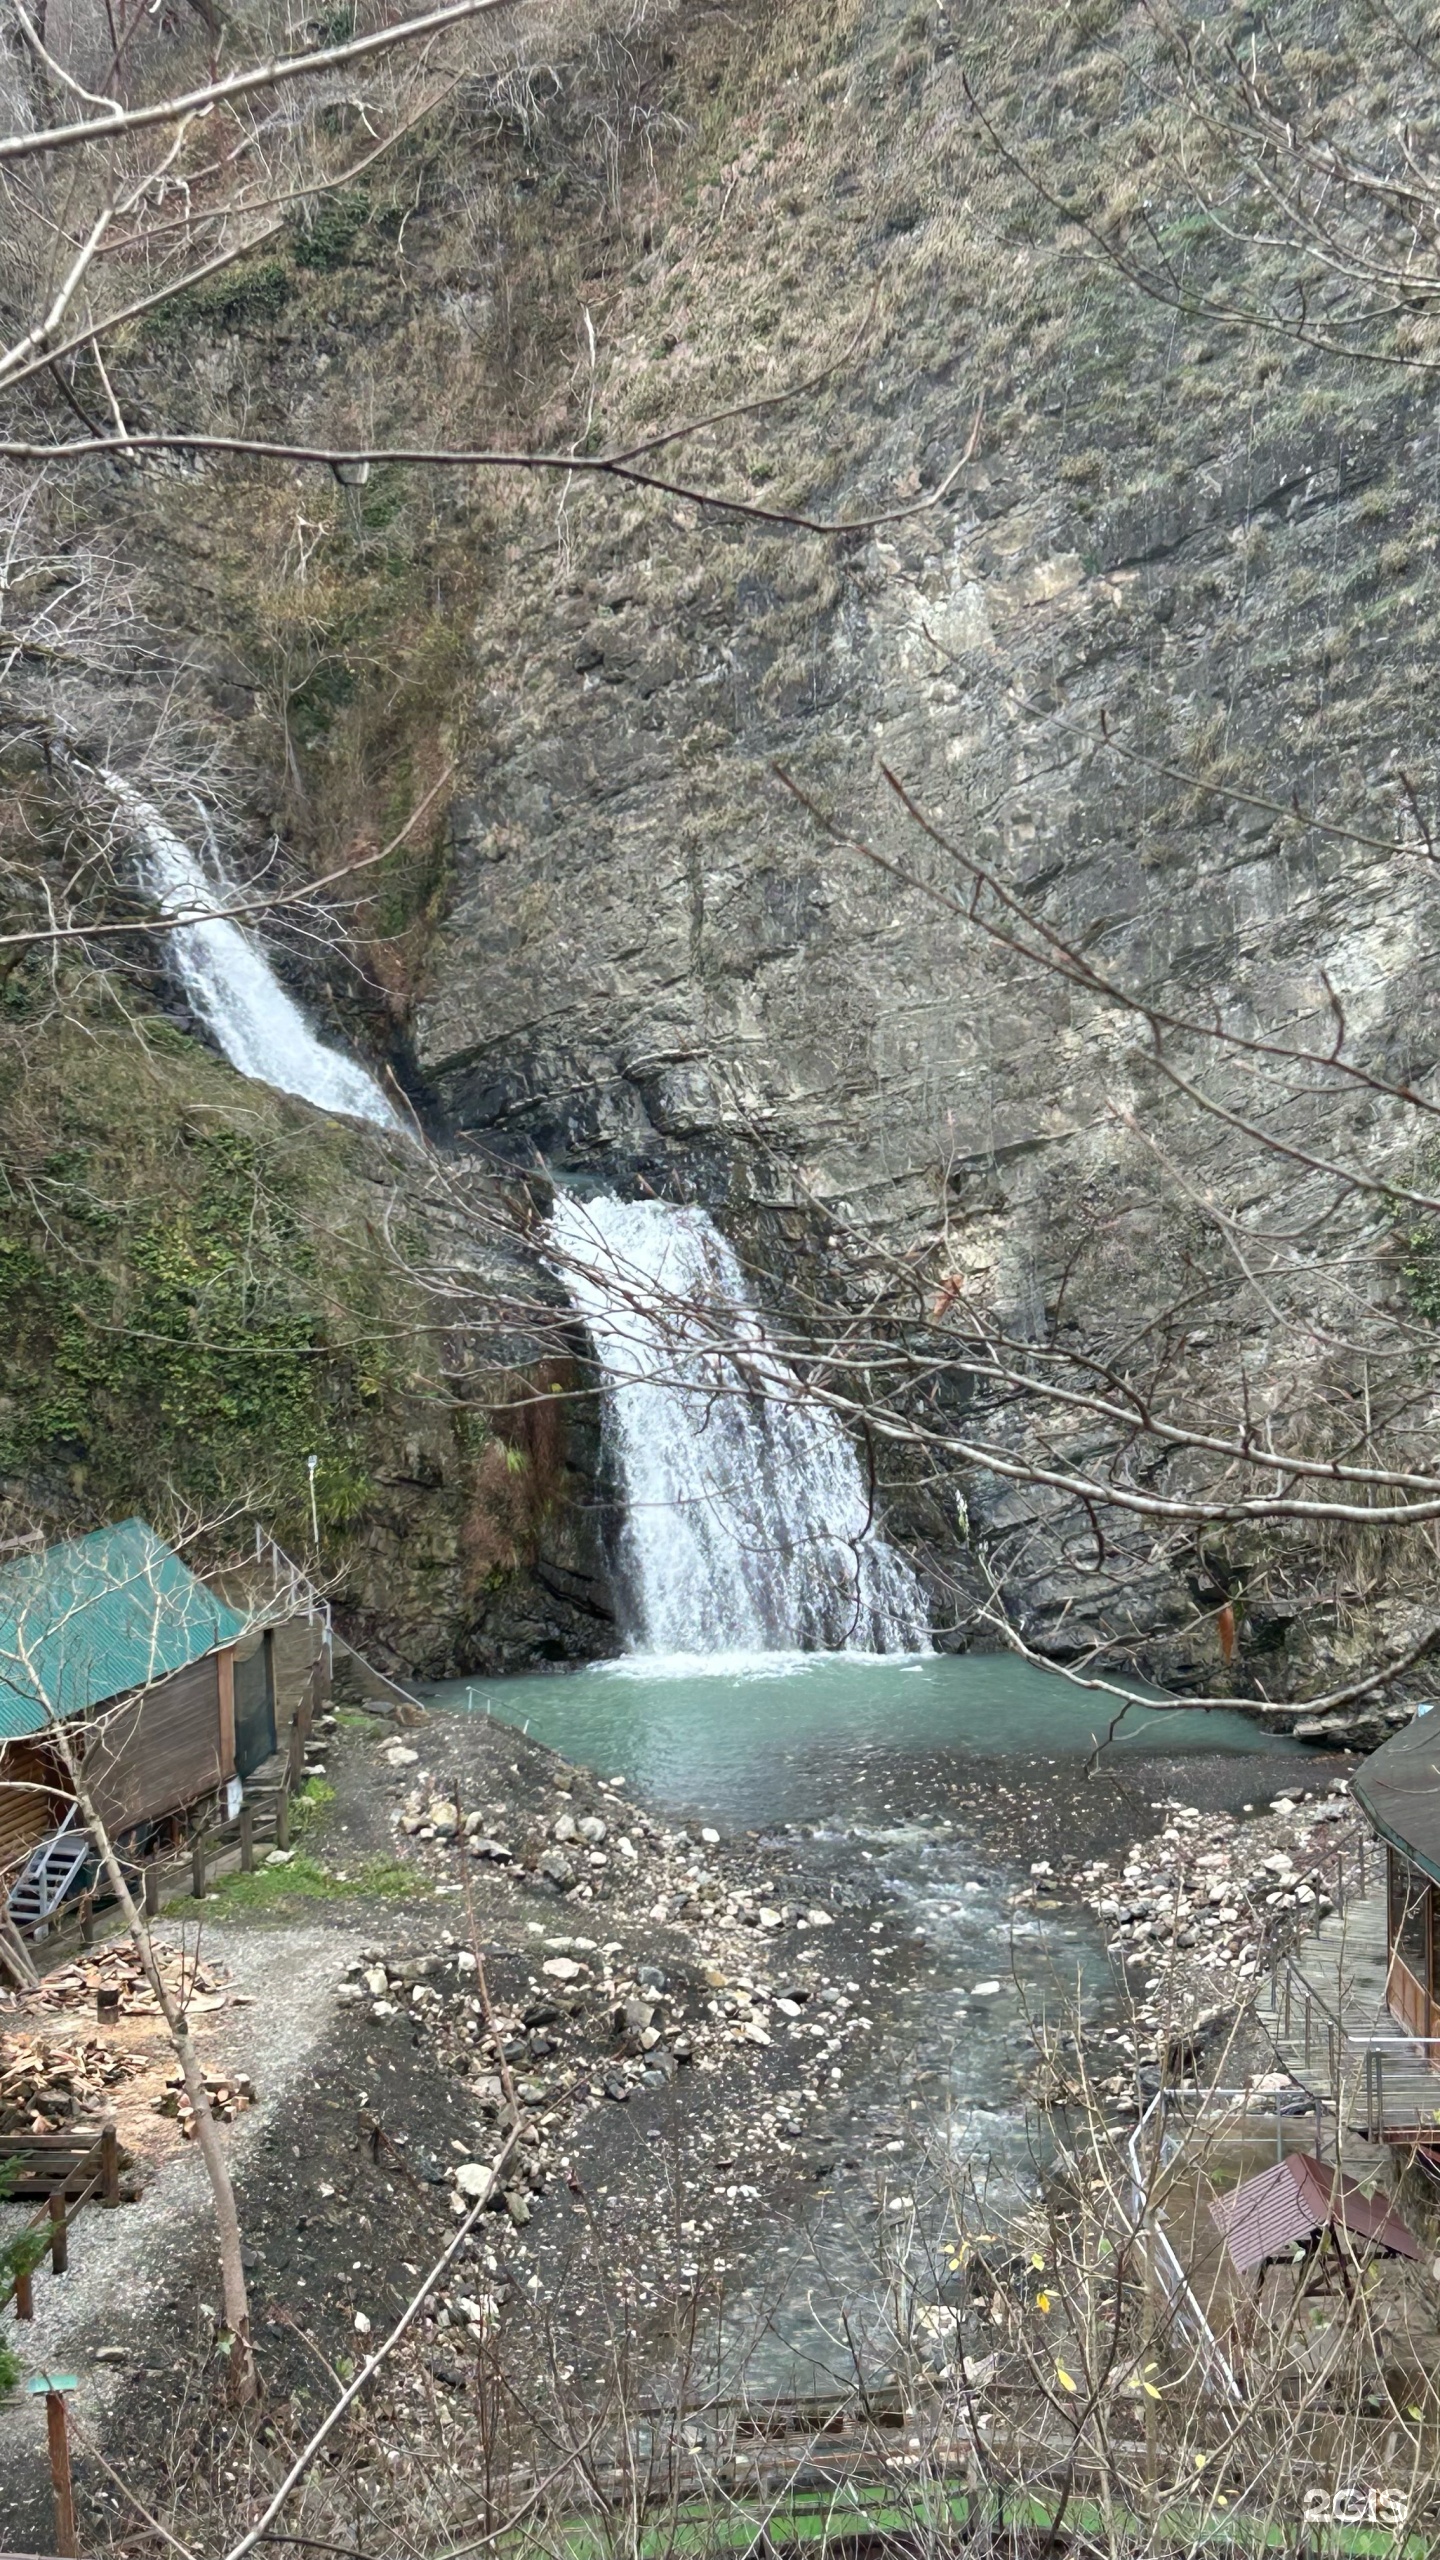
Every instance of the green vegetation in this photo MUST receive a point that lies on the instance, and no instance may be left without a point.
(1421, 1268)
(327, 239)
(306, 1880)
(187, 1338)
(249, 295)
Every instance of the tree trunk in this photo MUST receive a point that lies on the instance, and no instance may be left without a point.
(15, 1955)
(243, 2386)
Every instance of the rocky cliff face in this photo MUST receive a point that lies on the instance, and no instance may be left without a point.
(657, 968)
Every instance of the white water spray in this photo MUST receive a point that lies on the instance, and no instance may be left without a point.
(747, 1524)
(230, 982)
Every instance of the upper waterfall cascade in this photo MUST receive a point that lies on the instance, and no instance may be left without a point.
(747, 1526)
(230, 982)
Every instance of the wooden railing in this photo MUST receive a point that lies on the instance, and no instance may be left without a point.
(67, 2170)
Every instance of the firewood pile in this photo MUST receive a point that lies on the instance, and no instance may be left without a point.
(118, 1968)
(227, 2097)
(44, 2087)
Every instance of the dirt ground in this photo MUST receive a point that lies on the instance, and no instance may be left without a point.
(651, 2161)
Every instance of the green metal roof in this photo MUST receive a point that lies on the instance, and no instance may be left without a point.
(96, 1617)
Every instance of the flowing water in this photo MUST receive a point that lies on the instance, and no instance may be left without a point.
(748, 1527)
(910, 1797)
(229, 981)
(779, 1678)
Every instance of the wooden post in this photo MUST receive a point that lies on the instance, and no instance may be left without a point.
(87, 1920)
(24, 2296)
(109, 2164)
(59, 2237)
(247, 1839)
(152, 1889)
(54, 2386)
(282, 1819)
(197, 1867)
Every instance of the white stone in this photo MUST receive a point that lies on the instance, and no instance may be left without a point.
(399, 1756)
(562, 1968)
(362, 2324)
(474, 2180)
(983, 1990)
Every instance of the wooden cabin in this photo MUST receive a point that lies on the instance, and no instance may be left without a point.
(113, 1637)
(1398, 1787)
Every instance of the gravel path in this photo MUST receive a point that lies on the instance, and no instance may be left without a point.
(124, 2265)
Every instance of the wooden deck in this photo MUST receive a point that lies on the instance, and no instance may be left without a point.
(1324, 2011)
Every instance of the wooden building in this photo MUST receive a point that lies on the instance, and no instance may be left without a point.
(113, 1637)
(1398, 1787)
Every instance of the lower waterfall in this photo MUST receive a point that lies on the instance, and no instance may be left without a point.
(747, 1525)
(230, 982)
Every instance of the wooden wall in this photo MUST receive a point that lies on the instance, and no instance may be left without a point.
(25, 1813)
(160, 1754)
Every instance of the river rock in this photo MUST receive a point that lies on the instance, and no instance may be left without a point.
(474, 2181)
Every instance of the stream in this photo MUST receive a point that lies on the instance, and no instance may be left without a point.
(913, 1794)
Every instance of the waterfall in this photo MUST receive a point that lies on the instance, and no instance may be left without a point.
(747, 1524)
(230, 982)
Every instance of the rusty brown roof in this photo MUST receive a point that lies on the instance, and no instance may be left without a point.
(1293, 2201)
